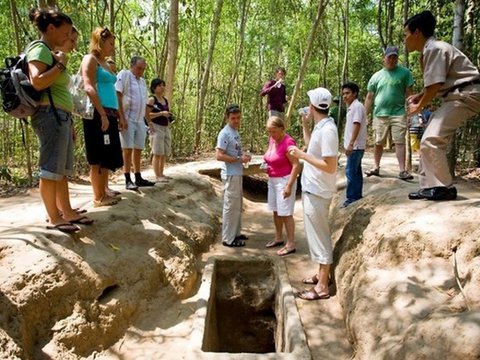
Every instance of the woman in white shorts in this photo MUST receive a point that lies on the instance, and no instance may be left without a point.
(282, 170)
(161, 119)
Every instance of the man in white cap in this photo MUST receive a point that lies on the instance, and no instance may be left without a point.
(387, 91)
(318, 185)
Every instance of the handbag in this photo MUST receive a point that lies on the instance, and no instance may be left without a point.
(82, 105)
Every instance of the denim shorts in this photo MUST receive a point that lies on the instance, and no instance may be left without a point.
(135, 135)
(56, 142)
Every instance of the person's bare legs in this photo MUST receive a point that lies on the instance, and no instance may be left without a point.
(377, 155)
(323, 274)
(97, 178)
(137, 155)
(400, 152)
(290, 230)
(162, 164)
(278, 221)
(127, 160)
(48, 192)
(158, 164)
(63, 200)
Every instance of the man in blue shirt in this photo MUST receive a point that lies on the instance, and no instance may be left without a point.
(229, 151)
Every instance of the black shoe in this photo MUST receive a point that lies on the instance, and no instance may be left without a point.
(143, 182)
(437, 193)
(241, 237)
(129, 185)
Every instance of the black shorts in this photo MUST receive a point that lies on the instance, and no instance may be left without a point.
(108, 156)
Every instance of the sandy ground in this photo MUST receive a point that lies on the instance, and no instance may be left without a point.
(162, 329)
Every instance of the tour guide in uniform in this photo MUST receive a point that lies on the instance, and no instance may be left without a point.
(448, 73)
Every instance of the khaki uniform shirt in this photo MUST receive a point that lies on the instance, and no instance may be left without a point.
(444, 63)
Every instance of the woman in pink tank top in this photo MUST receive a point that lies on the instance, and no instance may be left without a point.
(282, 170)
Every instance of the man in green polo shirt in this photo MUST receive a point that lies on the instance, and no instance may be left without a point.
(387, 90)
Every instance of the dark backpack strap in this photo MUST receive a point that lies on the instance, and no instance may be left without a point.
(49, 92)
(50, 99)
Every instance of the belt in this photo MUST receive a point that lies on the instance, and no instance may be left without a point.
(461, 86)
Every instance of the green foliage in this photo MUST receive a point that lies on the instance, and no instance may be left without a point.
(275, 34)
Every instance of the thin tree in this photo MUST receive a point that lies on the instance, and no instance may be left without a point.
(215, 24)
(301, 73)
(239, 53)
(172, 48)
(457, 41)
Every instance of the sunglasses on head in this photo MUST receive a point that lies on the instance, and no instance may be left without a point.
(105, 33)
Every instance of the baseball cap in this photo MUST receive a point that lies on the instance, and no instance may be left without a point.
(391, 50)
(320, 98)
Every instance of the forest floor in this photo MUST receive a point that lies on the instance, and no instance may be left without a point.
(163, 328)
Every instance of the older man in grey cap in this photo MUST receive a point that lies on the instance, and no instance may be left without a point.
(387, 91)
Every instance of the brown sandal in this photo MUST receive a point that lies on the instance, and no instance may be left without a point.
(312, 294)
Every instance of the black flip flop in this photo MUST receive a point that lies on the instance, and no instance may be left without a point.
(82, 220)
(65, 227)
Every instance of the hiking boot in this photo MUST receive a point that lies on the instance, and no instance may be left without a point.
(129, 185)
(405, 175)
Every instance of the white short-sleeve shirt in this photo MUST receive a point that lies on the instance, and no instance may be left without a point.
(134, 93)
(356, 114)
(323, 143)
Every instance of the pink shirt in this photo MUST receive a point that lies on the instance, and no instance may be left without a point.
(276, 157)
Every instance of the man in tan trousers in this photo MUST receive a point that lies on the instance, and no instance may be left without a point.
(449, 74)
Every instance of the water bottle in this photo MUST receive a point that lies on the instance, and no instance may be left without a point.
(304, 111)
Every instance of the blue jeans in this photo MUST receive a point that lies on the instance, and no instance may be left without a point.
(353, 172)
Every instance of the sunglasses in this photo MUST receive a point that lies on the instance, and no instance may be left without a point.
(105, 33)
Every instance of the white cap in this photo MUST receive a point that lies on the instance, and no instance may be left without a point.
(320, 98)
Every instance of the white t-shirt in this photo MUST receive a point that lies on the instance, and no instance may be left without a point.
(323, 143)
(134, 93)
(356, 114)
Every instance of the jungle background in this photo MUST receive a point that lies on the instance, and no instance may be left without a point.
(215, 52)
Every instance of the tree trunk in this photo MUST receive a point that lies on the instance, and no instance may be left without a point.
(172, 49)
(457, 41)
(239, 53)
(321, 8)
(408, 147)
(25, 129)
(215, 24)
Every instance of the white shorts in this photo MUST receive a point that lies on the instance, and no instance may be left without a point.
(276, 202)
(135, 135)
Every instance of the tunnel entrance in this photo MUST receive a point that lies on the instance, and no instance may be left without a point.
(246, 306)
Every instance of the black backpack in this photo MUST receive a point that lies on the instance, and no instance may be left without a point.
(19, 97)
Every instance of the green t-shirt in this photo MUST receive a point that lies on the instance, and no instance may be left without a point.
(389, 88)
(59, 89)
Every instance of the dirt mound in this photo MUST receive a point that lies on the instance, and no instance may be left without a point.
(399, 267)
(65, 296)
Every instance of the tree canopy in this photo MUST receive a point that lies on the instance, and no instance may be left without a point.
(253, 38)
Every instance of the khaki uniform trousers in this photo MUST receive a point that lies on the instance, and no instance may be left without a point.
(457, 108)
